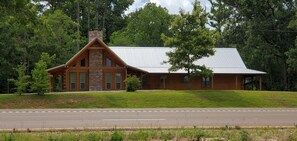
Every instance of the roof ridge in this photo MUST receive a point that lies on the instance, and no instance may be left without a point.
(137, 47)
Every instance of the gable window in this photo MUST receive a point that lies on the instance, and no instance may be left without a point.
(205, 82)
(107, 62)
(108, 79)
(82, 80)
(118, 81)
(83, 63)
(72, 80)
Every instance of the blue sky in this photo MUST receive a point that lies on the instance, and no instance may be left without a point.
(173, 6)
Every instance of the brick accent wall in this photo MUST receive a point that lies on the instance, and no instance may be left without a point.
(95, 70)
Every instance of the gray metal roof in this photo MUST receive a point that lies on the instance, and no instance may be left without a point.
(225, 60)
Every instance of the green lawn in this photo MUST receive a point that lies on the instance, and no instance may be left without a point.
(153, 99)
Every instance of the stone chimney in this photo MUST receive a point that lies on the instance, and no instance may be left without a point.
(95, 33)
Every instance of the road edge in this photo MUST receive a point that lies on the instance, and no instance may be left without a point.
(89, 129)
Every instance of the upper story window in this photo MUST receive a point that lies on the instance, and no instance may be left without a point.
(83, 63)
(107, 62)
(205, 82)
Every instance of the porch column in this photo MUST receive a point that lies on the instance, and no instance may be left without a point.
(260, 81)
(236, 82)
(52, 80)
(212, 82)
(67, 80)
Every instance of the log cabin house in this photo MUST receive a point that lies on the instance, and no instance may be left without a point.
(98, 67)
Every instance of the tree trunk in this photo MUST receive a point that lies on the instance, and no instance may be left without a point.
(97, 16)
(88, 15)
(78, 21)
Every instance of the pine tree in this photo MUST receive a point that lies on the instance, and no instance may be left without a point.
(22, 81)
(40, 76)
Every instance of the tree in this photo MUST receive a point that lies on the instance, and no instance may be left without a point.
(191, 41)
(220, 18)
(56, 35)
(22, 82)
(40, 76)
(110, 14)
(260, 31)
(18, 18)
(144, 28)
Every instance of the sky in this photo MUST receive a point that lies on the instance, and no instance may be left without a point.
(173, 6)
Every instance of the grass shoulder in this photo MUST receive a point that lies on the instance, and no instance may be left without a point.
(223, 134)
(153, 99)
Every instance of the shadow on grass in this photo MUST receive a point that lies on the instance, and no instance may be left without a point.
(225, 98)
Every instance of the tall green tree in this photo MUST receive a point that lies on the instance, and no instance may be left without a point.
(260, 30)
(219, 19)
(55, 34)
(40, 76)
(191, 41)
(292, 56)
(144, 28)
(18, 18)
(22, 82)
(110, 14)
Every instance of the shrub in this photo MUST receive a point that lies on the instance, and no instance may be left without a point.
(132, 83)
(244, 135)
(199, 135)
(117, 136)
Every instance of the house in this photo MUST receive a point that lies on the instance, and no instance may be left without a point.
(97, 67)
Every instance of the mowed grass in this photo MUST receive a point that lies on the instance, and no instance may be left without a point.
(153, 99)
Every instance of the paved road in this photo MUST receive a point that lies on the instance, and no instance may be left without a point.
(88, 118)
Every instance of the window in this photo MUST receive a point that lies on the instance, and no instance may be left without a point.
(118, 81)
(108, 79)
(83, 63)
(82, 80)
(205, 82)
(186, 79)
(72, 80)
(108, 62)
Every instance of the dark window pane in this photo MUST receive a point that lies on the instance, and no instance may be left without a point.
(72, 80)
(108, 80)
(82, 80)
(108, 62)
(108, 86)
(205, 82)
(83, 63)
(118, 80)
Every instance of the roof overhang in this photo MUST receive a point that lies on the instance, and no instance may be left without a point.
(56, 69)
(243, 71)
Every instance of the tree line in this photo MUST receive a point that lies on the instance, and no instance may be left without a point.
(264, 32)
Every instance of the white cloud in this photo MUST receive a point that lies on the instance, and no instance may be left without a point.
(136, 5)
(173, 6)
